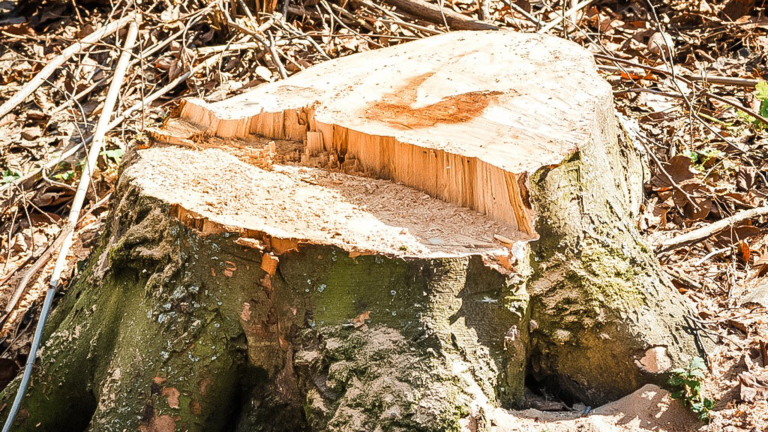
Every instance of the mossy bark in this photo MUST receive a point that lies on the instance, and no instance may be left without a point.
(606, 318)
(167, 329)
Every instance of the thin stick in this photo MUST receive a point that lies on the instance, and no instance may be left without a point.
(259, 38)
(349, 16)
(227, 48)
(40, 261)
(74, 213)
(291, 29)
(54, 64)
(567, 14)
(711, 229)
(16, 270)
(412, 26)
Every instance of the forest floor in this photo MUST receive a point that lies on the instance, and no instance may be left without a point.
(687, 78)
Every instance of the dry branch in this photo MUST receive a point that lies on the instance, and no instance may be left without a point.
(711, 229)
(54, 64)
(435, 14)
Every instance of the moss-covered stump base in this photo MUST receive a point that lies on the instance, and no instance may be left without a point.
(244, 284)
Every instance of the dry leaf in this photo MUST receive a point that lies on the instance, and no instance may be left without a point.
(679, 168)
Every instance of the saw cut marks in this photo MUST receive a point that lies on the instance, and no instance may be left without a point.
(397, 108)
(466, 117)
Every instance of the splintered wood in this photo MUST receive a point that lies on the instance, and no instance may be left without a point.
(464, 117)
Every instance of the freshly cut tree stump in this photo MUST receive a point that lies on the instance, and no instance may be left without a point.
(392, 241)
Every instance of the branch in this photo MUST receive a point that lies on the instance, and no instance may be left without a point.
(711, 229)
(435, 13)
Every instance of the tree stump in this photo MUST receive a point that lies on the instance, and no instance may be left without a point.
(391, 241)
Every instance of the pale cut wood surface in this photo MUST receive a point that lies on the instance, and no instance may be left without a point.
(463, 116)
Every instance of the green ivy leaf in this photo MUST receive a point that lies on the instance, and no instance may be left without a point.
(697, 363)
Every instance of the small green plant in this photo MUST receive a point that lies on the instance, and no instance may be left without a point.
(66, 175)
(686, 387)
(762, 95)
(703, 159)
(116, 155)
(9, 176)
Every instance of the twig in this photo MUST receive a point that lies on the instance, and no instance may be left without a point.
(347, 14)
(301, 11)
(484, 10)
(702, 233)
(227, 48)
(74, 213)
(16, 270)
(680, 96)
(713, 253)
(341, 22)
(412, 26)
(54, 64)
(684, 279)
(435, 13)
(146, 53)
(291, 29)
(567, 14)
(276, 57)
(40, 261)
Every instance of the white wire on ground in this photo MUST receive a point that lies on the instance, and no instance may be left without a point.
(74, 213)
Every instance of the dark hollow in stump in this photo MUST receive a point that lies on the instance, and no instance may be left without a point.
(391, 241)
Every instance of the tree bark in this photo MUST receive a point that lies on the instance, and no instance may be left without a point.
(238, 289)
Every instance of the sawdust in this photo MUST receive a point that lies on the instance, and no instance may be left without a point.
(314, 205)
